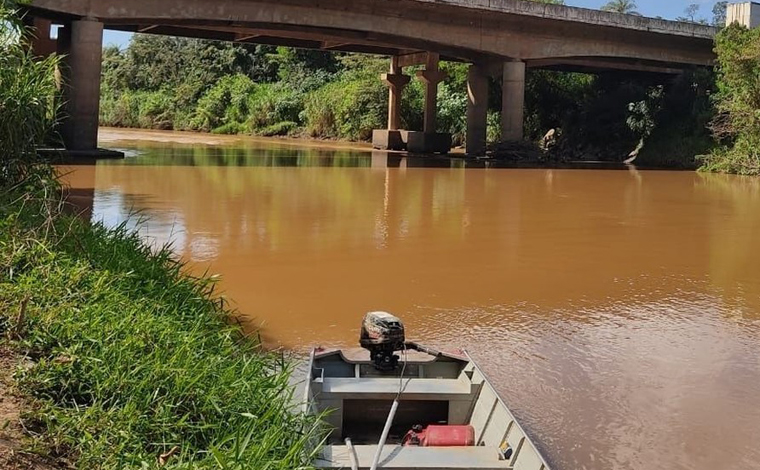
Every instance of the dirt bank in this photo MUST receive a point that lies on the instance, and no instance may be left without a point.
(13, 440)
(110, 136)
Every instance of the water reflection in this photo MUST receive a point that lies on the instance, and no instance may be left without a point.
(618, 311)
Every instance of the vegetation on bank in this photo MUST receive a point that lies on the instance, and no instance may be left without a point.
(134, 364)
(737, 123)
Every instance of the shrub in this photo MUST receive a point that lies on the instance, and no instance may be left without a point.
(349, 108)
(225, 103)
(737, 125)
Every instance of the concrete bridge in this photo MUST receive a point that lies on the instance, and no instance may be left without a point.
(500, 38)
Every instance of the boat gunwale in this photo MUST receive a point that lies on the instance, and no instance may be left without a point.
(465, 357)
(501, 401)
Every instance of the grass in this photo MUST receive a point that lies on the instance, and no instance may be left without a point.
(134, 359)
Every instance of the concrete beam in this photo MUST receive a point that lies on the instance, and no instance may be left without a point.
(82, 87)
(513, 101)
(477, 110)
(600, 64)
(410, 60)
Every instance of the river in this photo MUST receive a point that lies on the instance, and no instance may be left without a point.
(617, 311)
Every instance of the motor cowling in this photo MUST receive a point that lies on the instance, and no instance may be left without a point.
(440, 436)
(382, 334)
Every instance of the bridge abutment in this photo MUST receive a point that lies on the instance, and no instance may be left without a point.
(82, 42)
(513, 101)
(477, 110)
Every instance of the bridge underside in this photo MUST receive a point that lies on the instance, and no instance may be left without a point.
(412, 53)
(499, 37)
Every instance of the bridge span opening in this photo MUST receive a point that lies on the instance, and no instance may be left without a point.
(500, 39)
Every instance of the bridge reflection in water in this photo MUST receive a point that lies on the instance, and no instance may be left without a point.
(617, 311)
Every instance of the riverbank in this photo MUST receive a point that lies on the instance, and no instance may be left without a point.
(132, 363)
(147, 138)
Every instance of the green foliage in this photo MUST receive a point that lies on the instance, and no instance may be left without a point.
(737, 125)
(29, 101)
(348, 108)
(551, 98)
(134, 357)
(621, 6)
(681, 113)
(226, 103)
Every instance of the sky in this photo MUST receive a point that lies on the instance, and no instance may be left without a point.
(669, 9)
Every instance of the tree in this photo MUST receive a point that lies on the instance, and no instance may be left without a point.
(690, 12)
(719, 14)
(622, 6)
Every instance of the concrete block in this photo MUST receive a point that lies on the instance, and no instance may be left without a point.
(383, 139)
(428, 142)
(746, 13)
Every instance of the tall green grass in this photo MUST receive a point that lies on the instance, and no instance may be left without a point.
(29, 100)
(134, 357)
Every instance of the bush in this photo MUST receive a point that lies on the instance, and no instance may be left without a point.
(225, 103)
(349, 108)
(737, 125)
(281, 128)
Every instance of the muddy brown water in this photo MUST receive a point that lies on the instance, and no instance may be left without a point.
(617, 311)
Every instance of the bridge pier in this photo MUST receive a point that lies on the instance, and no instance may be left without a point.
(396, 82)
(429, 140)
(513, 101)
(431, 77)
(82, 41)
(477, 110)
(392, 138)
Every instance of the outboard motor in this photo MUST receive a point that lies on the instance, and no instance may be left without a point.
(382, 335)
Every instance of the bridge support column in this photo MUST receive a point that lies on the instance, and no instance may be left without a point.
(396, 82)
(431, 77)
(513, 101)
(392, 138)
(82, 83)
(477, 110)
(429, 140)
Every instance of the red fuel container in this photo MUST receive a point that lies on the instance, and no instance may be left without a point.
(441, 436)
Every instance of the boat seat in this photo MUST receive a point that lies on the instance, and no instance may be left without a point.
(387, 389)
(409, 458)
